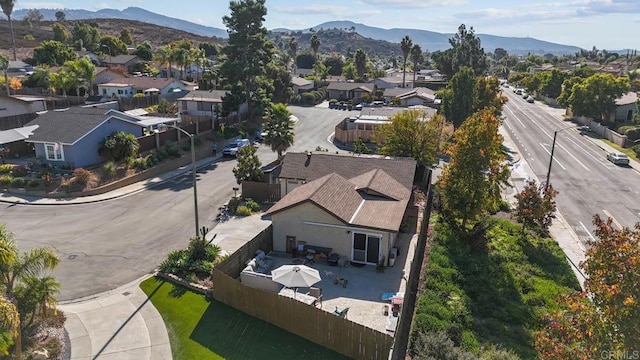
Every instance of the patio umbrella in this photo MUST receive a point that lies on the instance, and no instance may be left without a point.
(295, 276)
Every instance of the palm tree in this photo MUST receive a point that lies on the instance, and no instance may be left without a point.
(315, 44)
(82, 72)
(10, 321)
(279, 129)
(293, 50)
(405, 46)
(7, 9)
(181, 57)
(165, 56)
(44, 291)
(416, 57)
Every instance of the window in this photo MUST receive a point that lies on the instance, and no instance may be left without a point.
(120, 92)
(54, 152)
(104, 91)
(203, 106)
(184, 105)
(366, 248)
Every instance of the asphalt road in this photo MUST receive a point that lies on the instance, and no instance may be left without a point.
(108, 244)
(588, 184)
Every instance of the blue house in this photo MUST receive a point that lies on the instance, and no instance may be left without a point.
(73, 136)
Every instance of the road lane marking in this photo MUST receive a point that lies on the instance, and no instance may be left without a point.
(615, 222)
(588, 232)
(598, 159)
(574, 158)
(554, 158)
(514, 115)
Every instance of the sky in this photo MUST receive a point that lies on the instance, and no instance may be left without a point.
(605, 24)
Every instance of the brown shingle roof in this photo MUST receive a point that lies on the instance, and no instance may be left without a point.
(356, 201)
(348, 86)
(298, 166)
(144, 82)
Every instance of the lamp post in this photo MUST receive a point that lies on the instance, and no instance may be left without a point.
(193, 174)
(553, 148)
(108, 48)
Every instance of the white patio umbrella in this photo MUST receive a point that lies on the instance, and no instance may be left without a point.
(295, 276)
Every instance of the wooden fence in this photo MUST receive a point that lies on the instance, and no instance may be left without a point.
(15, 121)
(234, 263)
(316, 325)
(261, 191)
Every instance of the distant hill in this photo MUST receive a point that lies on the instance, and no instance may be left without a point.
(335, 41)
(433, 41)
(131, 13)
(428, 40)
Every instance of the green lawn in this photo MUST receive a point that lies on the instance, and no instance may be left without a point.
(495, 295)
(207, 329)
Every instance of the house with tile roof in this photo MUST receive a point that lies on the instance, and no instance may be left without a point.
(356, 216)
(73, 136)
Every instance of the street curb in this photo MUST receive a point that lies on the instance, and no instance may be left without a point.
(76, 200)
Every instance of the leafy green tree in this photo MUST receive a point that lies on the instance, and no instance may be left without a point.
(416, 58)
(349, 71)
(315, 45)
(114, 45)
(53, 53)
(293, 51)
(405, 46)
(471, 184)
(359, 147)
(595, 96)
(126, 37)
(210, 49)
(84, 71)
(60, 16)
(280, 79)
(120, 145)
(33, 16)
(602, 319)
(9, 325)
(85, 36)
(499, 53)
(144, 52)
(412, 134)
(164, 55)
(305, 61)
(4, 66)
(60, 33)
(249, 166)
(15, 267)
(488, 95)
(360, 62)
(320, 70)
(536, 207)
(7, 9)
(467, 51)
(444, 61)
(62, 81)
(334, 64)
(248, 51)
(584, 72)
(278, 127)
(458, 98)
(552, 84)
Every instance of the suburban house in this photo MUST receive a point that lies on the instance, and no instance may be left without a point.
(19, 69)
(352, 205)
(127, 87)
(410, 97)
(348, 90)
(95, 59)
(301, 85)
(73, 136)
(626, 107)
(105, 74)
(17, 110)
(200, 102)
(395, 81)
(125, 61)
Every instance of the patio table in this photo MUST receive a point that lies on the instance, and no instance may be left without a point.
(290, 293)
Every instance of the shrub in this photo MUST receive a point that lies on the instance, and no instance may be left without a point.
(19, 171)
(197, 141)
(243, 211)
(174, 263)
(131, 162)
(152, 160)
(437, 345)
(29, 37)
(109, 169)
(81, 176)
(252, 205)
(172, 149)
(162, 154)
(5, 168)
(18, 182)
(307, 99)
(633, 134)
(138, 95)
(141, 163)
(34, 183)
(636, 149)
(45, 175)
(6, 180)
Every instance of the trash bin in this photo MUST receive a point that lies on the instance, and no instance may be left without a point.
(392, 259)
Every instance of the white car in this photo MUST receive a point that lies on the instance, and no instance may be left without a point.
(618, 159)
(530, 99)
(232, 148)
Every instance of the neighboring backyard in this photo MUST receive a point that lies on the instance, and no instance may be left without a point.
(200, 328)
(495, 296)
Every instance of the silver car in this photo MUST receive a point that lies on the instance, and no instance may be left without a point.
(618, 159)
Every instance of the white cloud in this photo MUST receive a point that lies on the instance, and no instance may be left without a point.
(413, 4)
(313, 9)
(39, 5)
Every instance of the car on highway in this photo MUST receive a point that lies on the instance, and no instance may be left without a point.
(530, 99)
(618, 158)
(232, 148)
(519, 92)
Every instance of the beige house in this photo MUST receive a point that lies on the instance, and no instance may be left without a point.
(301, 85)
(626, 107)
(343, 91)
(357, 217)
(201, 102)
(17, 110)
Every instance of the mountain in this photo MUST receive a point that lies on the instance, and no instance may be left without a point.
(433, 41)
(130, 13)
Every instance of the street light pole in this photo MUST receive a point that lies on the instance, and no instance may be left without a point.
(553, 148)
(193, 174)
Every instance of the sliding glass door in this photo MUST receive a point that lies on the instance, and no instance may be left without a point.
(366, 248)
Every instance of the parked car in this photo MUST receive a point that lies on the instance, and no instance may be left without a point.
(232, 148)
(519, 92)
(358, 107)
(618, 159)
(530, 99)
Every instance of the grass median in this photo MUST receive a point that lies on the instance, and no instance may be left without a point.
(200, 328)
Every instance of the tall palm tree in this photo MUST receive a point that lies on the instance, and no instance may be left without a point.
(83, 73)
(293, 50)
(405, 46)
(279, 129)
(7, 9)
(416, 57)
(181, 57)
(315, 44)
(44, 292)
(165, 56)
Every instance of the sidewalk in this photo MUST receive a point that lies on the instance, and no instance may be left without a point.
(121, 192)
(119, 324)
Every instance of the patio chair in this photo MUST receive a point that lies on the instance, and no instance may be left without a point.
(341, 313)
(316, 293)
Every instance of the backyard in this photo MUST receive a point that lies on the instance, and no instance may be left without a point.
(201, 328)
(496, 296)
